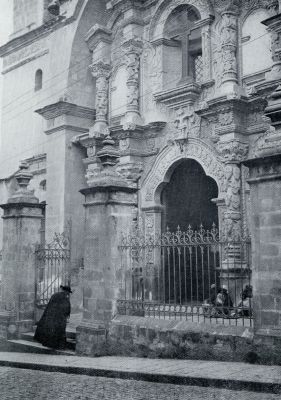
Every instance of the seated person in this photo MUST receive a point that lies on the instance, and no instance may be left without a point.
(224, 303)
(244, 306)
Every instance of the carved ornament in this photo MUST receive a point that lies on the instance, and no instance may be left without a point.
(195, 149)
(187, 122)
(227, 6)
(233, 150)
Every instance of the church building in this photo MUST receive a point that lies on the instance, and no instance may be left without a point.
(141, 164)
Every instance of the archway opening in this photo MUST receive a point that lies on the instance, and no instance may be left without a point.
(188, 271)
(187, 198)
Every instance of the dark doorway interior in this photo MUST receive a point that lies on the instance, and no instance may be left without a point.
(187, 198)
(188, 271)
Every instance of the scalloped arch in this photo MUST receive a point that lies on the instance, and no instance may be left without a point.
(170, 156)
(164, 9)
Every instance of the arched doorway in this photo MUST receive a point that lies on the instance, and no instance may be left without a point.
(187, 198)
(189, 271)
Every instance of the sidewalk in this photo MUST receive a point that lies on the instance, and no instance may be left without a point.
(228, 375)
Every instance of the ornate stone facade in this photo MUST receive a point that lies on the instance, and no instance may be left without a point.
(122, 162)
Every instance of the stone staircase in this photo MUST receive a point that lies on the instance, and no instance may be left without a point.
(26, 343)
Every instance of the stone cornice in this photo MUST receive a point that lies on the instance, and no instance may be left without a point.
(40, 32)
(62, 107)
(264, 168)
(96, 34)
(66, 127)
(179, 96)
(273, 23)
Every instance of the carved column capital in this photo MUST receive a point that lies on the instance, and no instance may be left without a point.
(233, 151)
(100, 69)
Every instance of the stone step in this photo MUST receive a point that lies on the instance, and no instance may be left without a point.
(27, 346)
(70, 334)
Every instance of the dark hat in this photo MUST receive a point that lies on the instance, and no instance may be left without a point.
(66, 288)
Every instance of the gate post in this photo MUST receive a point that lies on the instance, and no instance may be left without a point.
(21, 231)
(109, 205)
(265, 184)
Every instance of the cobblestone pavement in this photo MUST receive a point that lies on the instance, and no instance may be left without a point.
(21, 384)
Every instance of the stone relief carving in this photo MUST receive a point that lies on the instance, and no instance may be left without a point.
(187, 122)
(152, 61)
(101, 71)
(132, 50)
(232, 187)
(270, 5)
(233, 150)
(195, 149)
(227, 5)
(267, 143)
(228, 32)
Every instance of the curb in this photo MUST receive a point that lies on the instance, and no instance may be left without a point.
(238, 385)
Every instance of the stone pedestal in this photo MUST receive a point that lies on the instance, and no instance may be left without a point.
(265, 183)
(108, 214)
(21, 232)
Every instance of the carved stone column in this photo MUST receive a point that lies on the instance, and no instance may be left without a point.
(229, 11)
(206, 52)
(132, 50)
(233, 152)
(233, 270)
(101, 71)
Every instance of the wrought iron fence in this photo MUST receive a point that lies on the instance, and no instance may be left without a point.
(196, 275)
(52, 268)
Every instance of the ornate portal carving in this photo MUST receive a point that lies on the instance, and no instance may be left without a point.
(233, 150)
(187, 122)
(195, 149)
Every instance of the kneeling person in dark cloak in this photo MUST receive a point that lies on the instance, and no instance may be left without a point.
(50, 329)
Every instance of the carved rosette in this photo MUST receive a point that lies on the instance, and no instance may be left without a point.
(132, 50)
(101, 71)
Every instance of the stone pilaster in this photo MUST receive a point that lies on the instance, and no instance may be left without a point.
(21, 232)
(101, 71)
(265, 194)
(132, 49)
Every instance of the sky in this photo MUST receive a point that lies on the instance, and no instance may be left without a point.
(5, 31)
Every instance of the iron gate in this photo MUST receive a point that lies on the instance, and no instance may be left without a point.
(52, 268)
(197, 275)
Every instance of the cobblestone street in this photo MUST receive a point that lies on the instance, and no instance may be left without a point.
(21, 384)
